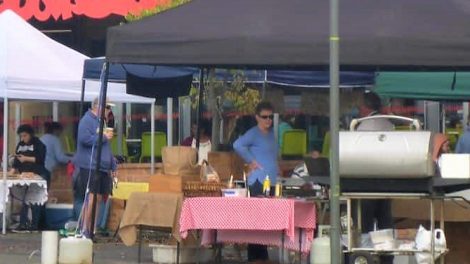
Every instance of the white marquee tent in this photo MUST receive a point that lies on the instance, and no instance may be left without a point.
(35, 67)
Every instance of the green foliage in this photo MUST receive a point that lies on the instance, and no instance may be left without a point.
(243, 98)
(150, 12)
(237, 94)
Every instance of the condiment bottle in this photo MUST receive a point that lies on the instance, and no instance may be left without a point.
(267, 186)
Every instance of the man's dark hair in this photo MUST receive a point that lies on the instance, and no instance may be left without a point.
(25, 129)
(372, 101)
(51, 127)
(264, 105)
(206, 127)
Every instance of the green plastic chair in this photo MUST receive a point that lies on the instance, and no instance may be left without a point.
(115, 146)
(453, 135)
(69, 144)
(159, 143)
(314, 141)
(404, 128)
(294, 143)
(325, 150)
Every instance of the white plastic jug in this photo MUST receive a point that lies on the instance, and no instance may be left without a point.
(320, 251)
(75, 250)
(423, 242)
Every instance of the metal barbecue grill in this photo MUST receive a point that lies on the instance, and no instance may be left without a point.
(389, 165)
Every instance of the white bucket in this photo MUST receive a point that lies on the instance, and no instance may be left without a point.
(49, 245)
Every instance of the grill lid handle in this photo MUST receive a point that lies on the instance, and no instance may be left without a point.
(356, 122)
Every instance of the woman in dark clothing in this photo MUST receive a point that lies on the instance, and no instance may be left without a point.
(30, 155)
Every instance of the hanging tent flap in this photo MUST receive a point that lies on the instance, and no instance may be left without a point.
(171, 87)
(424, 85)
(318, 78)
(118, 72)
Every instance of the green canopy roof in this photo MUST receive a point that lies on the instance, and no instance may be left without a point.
(424, 85)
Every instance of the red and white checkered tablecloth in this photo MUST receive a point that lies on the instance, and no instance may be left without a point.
(250, 220)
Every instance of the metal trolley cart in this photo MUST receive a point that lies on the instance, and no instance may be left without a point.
(433, 190)
(366, 255)
(389, 165)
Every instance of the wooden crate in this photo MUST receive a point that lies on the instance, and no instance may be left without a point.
(201, 189)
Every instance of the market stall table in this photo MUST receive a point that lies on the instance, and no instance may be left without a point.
(250, 220)
(157, 210)
(27, 190)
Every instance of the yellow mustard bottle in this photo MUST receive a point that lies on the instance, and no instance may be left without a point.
(267, 186)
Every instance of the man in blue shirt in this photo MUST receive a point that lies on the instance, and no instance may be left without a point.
(98, 183)
(258, 147)
(54, 151)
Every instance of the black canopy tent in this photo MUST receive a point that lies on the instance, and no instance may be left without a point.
(375, 34)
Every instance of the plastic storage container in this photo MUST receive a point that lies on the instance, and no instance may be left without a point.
(455, 166)
(381, 236)
(166, 254)
(57, 215)
(239, 192)
(75, 250)
(383, 239)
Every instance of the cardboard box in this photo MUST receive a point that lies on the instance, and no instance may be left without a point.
(406, 234)
(60, 179)
(136, 172)
(170, 183)
(226, 164)
(115, 213)
(419, 210)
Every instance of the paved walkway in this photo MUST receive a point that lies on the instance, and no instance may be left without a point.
(24, 248)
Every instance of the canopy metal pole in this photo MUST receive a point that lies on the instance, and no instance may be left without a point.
(17, 119)
(5, 162)
(169, 121)
(263, 88)
(335, 192)
(82, 99)
(118, 113)
(101, 111)
(276, 126)
(199, 107)
(128, 118)
(55, 111)
(152, 138)
(465, 115)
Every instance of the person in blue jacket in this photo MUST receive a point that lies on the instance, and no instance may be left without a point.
(258, 147)
(99, 183)
(54, 153)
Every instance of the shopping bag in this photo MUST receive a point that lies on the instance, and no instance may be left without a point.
(179, 160)
(423, 242)
(208, 173)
